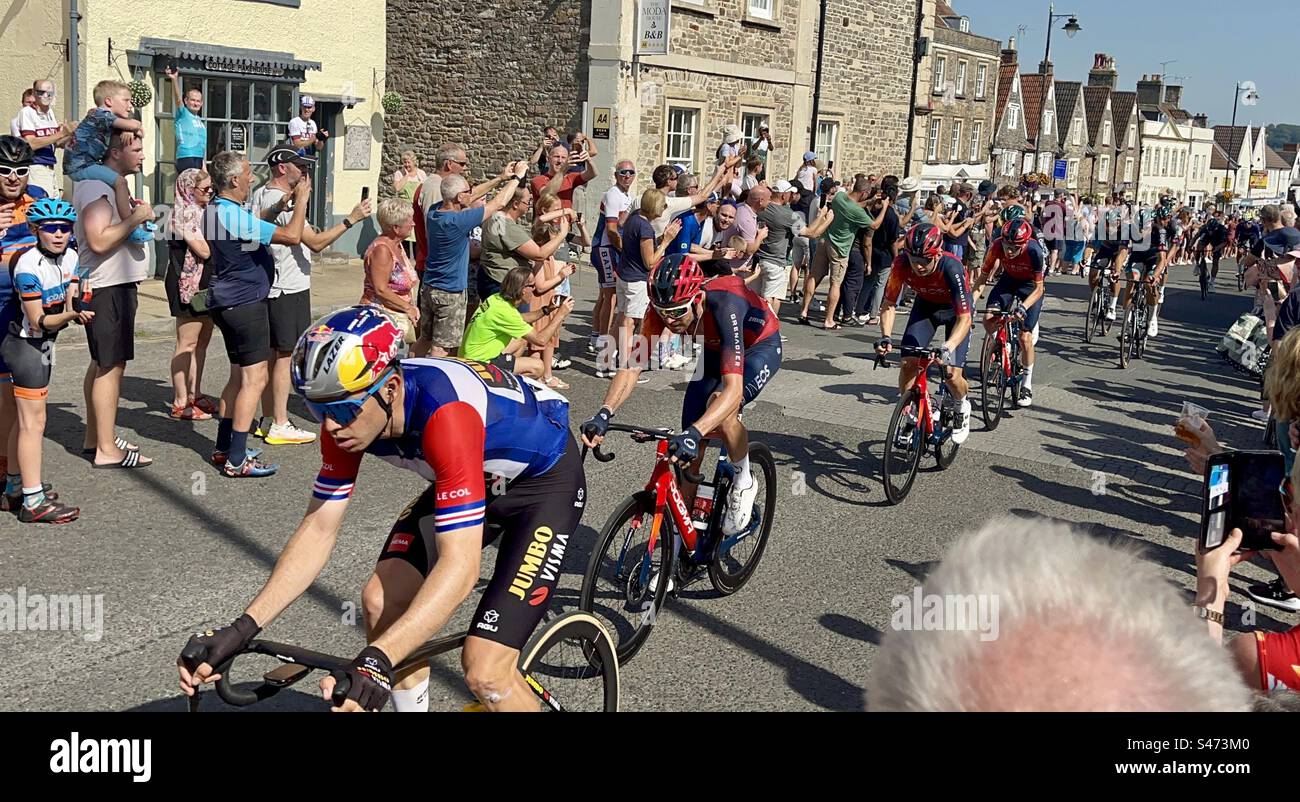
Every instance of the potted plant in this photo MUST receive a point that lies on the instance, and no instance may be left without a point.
(392, 102)
(141, 94)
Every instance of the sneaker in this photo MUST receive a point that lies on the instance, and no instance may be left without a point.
(1110, 315)
(905, 432)
(1153, 328)
(14, 502)
(1260, 415)
(961, 432)
(48, 511)
(591, 347)
(676, 362)
(288, 435)
(252, 467)
(219, 457)
(1275, 594)
(785, 339)
(740, 508)
(560, 363)
(643, 378)
(1026, 398)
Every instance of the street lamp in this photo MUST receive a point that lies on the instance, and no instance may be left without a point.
(1245, 92)
(1071, 27)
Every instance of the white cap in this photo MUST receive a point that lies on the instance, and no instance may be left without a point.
(783, 186)
(306, 101)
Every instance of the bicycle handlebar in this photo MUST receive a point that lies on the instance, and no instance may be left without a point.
(286, 653)
(643, 434)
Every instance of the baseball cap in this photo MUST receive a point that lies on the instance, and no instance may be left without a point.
(284, 154)
(988, 188)
(810, 156)
(783, 186)
(307, 101)
(680, 169)
(1283, 240)
(714, 197)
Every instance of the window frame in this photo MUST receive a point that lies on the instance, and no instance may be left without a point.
(976, 143)
(954, 140)
(1107, 131)
(1128, 169)
(1013, 116)
(962, 67)
(940, 70)
(696, 109)
(1103, 167)
(769, 13)
(981, 79)
(932, 141)
(828, 152)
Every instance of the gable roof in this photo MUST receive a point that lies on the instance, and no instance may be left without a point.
(1006, 78)
(1274, 160)
(1094, 101)
(1121, 107)
(1032, 90)
(1067, 98)
(942, 9)
(1230, 138)
(1218, 158)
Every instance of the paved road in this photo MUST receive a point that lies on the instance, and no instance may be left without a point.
(176, 546)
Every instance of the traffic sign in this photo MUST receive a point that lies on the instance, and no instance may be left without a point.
(1060, 169)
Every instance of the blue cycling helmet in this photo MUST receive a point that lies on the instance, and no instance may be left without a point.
(48, 210)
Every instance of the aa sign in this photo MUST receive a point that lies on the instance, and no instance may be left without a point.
(652, 27)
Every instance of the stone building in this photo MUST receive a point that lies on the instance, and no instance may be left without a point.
(1039, 91)
(1123, 173)
(1097, 109)
(1073, 145)
(961, 102)
(1010, 140)
(492, 73)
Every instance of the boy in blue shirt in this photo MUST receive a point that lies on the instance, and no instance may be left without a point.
(85, 159)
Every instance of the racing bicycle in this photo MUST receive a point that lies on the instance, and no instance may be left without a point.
(920, 422)
(1000, 369)
(1096, 323)
(1133, 334)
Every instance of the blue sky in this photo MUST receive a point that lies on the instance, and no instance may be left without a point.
(1215, 44)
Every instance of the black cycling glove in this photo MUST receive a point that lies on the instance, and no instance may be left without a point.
(369, 680)
(216, 646)
(946, 357)
(685, 446)
(597, 425)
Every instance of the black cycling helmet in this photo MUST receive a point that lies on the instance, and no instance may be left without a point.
(15, 152)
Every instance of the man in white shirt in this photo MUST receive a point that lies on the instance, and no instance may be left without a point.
(29, 97)
(289, 306)
(303, 130)
(606, 247)
(42, 130)
(665, 179)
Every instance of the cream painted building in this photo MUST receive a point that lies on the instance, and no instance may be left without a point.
(253, 59)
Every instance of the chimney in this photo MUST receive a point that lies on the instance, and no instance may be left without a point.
(1045, 68)
(1291, 147)
(1009, 53)
(1148, 90)
(1201, 120)
(1174, 96)
(1103, 71)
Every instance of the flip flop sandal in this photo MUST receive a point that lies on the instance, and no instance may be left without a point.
(832, 327)
(206, 403)
(133, 459)
(119, 442)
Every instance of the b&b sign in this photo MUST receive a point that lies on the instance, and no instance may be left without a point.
(652, 27)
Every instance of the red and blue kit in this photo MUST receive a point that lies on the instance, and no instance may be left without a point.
(942, 297)
(1020, 276)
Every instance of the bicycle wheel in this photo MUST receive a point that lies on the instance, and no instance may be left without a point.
(993, 383)
(736, 556)
(1094, 315)
(571, 665)
(1203, 274)
(1140, 321)
(622, 585)
(1126, 338)
(904, 443)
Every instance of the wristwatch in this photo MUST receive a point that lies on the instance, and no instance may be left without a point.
(347, 223)
(1206, 614)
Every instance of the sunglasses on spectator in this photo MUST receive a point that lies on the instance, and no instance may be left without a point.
(627, 172)
(56, 228)
(462, 164)
(44, 93)
(208, 190)
(345, 411)
(674, 312)
(6, 172)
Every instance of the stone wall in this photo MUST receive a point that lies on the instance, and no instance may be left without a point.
(489, 75)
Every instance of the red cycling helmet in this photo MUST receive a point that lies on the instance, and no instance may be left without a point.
(676, 280)
(924, 241)
(1018, 232)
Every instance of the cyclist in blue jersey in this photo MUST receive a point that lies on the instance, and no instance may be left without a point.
(501, 463)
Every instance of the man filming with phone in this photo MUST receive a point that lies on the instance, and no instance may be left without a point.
(304, 134)
(560, 180)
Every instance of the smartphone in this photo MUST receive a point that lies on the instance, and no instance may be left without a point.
(559, 300)
(1241, 492)
(365, 193)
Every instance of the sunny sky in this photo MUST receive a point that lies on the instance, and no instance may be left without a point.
(1215, 44)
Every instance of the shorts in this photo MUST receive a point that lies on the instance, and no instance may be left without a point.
(535, 517)
(1279, 660)
(925, 319)
(42, 175)
(505, 361)
(29, 361)
(1105, 256)
(973, 259)
(189, 163)
(799, 252)
(111, 335)
(171, 285)
(442, 317)
(290, 316)
(486, 285)
(1073, 253)
(776, 277)
(958, 251)
(246, 330)
(1008, 290)
(762, 361)
(1142, 263)
(828, 261)
(633, 299)
(1053, 244)
(605, 259)
(95, 172)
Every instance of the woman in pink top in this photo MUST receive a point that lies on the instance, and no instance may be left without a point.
(390, 281)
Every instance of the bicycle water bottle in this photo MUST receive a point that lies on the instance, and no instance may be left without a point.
(703, 506)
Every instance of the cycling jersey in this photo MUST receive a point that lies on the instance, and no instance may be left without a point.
(1029, 265)
(463, 420)
(945, 286)
(1213, 233)
(734, 319)
(1159, 240)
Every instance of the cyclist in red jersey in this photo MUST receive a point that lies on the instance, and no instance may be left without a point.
(500, 466)
(742, 352)
(942, 298)
(1019, 289)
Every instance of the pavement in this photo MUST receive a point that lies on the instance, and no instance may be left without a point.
(176, 547)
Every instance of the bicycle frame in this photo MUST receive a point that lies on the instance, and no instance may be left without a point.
(924, 413)
(1004, 340)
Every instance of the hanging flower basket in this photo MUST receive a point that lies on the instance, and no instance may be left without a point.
(1225, 196)
(392, 102)
(141, 94)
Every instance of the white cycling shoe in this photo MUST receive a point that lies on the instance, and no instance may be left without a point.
(960, 433)
(740, 508)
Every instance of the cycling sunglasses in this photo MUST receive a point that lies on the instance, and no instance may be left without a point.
(56, 228)
(345, 411)
(626, 172)
(674, 312)
(6, 171)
